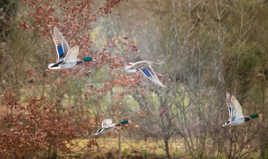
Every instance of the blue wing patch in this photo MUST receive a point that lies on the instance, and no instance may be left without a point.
(146, 72)
(60, 50)
(230, 110)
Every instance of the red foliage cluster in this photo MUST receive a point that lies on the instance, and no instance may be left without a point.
(75, 24)
(127, 81)
(32, 125)
(109, 5)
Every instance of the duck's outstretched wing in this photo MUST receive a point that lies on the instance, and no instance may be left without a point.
(234, 106)
(237, 109)
(62, 47)
(149, 73)
(228, 103)
(72, 54)
(106, 123)
(103, 130)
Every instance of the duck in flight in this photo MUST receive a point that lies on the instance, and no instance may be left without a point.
(67, 57)
(108, 125)
(146, 69)
(236, 116)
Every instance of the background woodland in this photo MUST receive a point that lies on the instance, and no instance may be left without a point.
(204, 47)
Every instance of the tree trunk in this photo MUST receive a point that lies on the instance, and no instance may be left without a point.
(52, 152)
(264, 146)
(119, 144)
(264, 126)
(166, 141)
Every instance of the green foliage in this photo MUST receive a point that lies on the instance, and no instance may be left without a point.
(132, 103)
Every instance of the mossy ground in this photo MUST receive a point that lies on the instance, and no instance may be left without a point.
(130, 148)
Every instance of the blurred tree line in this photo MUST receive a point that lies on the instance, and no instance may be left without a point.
(206, 48)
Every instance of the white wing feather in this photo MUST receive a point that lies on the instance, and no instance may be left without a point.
(72, 54)
(228, 103)
(54, 37)
(234, 107)
(230, 111)
(237, 109)
(155, 79)
(137, 65)
(106, 123)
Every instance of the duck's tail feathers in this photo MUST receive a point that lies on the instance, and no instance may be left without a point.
(161, 84)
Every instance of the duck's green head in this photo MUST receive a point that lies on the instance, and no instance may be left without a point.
(252, 116)
(88, 59)
(124, 122)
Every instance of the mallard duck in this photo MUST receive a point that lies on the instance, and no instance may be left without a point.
(108, 125)
(146, 69)
(67, 58)
(236, 116)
